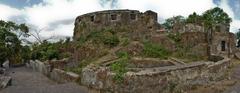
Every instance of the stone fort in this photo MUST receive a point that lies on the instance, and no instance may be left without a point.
(144, 74)
(202, 42)
(131, 20)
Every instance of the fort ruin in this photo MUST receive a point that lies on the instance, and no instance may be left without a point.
(124, 68)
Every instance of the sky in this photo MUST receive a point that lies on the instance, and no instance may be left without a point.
(55, 18)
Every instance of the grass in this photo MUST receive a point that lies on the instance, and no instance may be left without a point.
(155, 51)
(106, 36)
(119, 67)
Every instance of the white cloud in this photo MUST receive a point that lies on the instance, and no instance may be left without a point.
(169, 8)
(8, 12)
(235, 25)
(52, 14)
(51, 11)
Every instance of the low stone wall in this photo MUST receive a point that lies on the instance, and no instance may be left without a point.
(155, 80)
(55, 74)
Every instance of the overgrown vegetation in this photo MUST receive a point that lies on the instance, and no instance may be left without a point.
(106, 36)
(119, 67)
(175, 37)
(209, 19)
(155, 51)
(49, 51)
(10, 42)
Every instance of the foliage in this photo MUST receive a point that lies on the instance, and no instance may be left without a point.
(49, 50)
(125, 41)
(119, 67)
(155, 50)
(175, 37)
(194, 18)
(184, 53)
(106, 36)
(208, 19)
(10, 43)
(215, 16)
(170, 22)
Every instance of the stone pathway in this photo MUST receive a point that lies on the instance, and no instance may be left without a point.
(25, 80)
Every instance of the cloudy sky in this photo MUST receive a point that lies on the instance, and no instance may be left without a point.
(56, 17)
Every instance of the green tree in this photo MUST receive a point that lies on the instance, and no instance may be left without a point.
(194, 18)
(215, 16)
(10, 44)
(171, 22)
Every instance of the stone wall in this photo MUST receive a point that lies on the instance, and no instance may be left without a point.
(132, 21)
(155, 80)
(55, 74)
(229, 40)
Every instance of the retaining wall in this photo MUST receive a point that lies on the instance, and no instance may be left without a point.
(55, 74)
(155, 80)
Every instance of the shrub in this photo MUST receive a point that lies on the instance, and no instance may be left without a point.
(175, 37)
(155, 50)
(119, 67)
(106, 36)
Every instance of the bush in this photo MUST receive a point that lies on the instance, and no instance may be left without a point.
(155, 50)
(106, 36)
(119, 67)
(175, 37)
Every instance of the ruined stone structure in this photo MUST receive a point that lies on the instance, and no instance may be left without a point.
(131, 20)
(218, 41)
(152, 75)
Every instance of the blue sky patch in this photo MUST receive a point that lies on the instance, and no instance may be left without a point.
(20, 3)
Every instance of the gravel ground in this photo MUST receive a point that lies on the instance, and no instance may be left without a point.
(25, 80)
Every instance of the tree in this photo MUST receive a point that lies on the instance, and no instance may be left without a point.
(10, 43)
(194, 18)
(171, 22)
(215, 16)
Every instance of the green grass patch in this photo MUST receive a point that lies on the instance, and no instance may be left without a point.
(106, 36)
(119, 67)
(155, 51)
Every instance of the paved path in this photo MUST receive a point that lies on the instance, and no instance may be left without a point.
(28, 81)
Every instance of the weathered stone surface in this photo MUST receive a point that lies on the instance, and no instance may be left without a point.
(138, 62)
(58, 75)
(157, 79)
(133, 21)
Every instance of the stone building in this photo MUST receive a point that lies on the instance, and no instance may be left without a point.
(136, 22)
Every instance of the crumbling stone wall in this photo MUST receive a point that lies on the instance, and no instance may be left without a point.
(132, 21)
(56, 74)
(169, 79)
(222, 40)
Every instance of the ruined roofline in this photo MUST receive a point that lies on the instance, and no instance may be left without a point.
(109, 11)
(113, 11)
